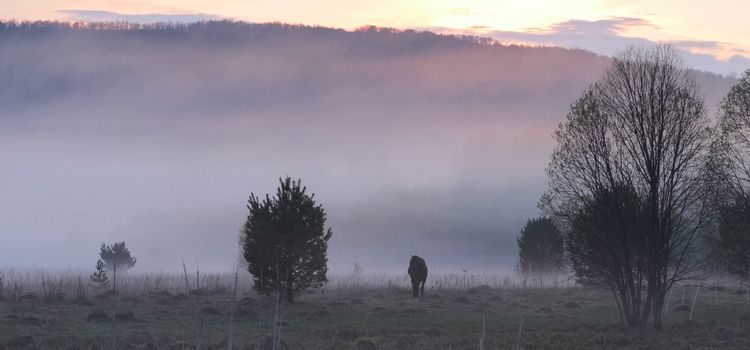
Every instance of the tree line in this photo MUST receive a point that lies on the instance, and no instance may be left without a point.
(231, 31)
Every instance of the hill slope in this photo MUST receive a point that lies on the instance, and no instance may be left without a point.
(414, 142)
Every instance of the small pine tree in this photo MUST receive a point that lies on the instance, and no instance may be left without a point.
(284, 241)
(116, 257)
(100, 273)
(540, 247)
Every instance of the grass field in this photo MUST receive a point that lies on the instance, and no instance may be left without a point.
(353, 313)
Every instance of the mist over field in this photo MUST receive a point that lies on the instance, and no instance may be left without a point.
(413, 142)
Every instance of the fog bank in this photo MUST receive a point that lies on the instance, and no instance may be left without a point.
(414, 143)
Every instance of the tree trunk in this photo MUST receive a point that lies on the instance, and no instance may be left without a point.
(631, 309)
(289, 287)
(114, 280)
(658, 304)
(635, 312)
(647, 309)
(657, 316)
(635, 317)
(619, 309)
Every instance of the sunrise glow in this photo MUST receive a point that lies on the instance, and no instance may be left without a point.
(719, 30)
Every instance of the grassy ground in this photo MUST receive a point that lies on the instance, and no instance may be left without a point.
(383, 318)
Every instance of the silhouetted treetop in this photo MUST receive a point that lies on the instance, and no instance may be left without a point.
(540, 247)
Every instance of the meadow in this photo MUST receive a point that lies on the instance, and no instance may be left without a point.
(41, 310)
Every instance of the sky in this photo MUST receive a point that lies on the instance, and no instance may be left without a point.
(715, 33)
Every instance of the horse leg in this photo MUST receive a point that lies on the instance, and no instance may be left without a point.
(423, 281)
(414, 288)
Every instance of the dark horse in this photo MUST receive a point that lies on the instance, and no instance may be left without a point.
(418, 273)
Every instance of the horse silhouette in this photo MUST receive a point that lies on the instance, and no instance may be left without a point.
(418, 273)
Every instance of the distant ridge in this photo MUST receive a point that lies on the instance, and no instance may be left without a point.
(250, 30)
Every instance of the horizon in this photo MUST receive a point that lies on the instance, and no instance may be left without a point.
(712, 38)
(184, 24)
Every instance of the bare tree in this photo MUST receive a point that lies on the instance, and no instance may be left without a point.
(642, 125)
(731, 165)
(732, 147)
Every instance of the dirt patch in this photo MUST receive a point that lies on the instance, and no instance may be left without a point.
(572, 305)
(99, 316)
(124, 316)
(682, 308)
